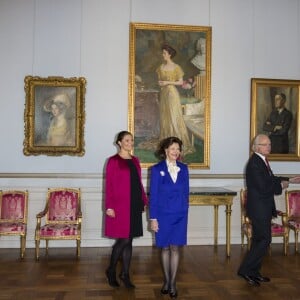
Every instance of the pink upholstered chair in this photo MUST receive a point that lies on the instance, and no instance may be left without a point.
(278, 229)
(13, 216)
(292, 199)
(62, 218)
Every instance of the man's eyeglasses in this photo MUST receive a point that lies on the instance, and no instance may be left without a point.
(264, 144)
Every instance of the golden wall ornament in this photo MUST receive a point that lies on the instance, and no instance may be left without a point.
(54, 116)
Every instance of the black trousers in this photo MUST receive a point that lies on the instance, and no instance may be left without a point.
(261, 239)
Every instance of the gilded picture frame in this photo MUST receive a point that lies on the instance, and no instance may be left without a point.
(149, 115)
(275, 112)
(54, 116)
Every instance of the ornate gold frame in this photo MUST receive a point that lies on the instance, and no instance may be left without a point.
(150, 36)
(262, 103)
(40, 94)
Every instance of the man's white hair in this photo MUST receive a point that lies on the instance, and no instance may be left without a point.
(256, 141)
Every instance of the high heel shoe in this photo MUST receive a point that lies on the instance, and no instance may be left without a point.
(173, 293)
(165, 289)
(126, 280)
(111, 277)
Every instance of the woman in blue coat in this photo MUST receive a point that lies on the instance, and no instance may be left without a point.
(169, 202)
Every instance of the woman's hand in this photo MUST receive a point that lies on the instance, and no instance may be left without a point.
(154, 225)
(110, 212)
(163, 83)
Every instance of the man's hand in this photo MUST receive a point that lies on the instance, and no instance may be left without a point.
(277, 127)
(295, 179)
(284, 184)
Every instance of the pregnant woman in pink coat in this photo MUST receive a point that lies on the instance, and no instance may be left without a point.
(125, 200)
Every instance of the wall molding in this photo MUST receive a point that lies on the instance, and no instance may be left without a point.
(200, 225)
(101, 175)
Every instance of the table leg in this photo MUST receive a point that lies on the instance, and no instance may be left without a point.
(228, 226)
(216, 224)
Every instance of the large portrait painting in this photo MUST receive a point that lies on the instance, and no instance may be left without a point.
(275, 112)
(169, 90)
(54, 116)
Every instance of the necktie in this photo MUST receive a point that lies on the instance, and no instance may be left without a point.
(268, 166)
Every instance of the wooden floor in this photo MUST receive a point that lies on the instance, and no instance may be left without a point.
(204, 273)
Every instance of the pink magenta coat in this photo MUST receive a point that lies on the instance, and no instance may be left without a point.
(117, 196)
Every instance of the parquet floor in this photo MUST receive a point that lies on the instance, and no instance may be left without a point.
(205, 273)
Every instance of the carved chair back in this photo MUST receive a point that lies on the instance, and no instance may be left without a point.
(63, 206)
(13, 206)
(293, 204)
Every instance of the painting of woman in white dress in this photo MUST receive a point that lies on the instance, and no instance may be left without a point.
(60, 131)
(171, 120)
(166, 96)
(55, 120)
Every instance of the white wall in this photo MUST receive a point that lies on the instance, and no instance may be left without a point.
(90, 38)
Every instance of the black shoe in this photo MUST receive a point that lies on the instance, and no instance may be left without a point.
(164, 292)
(126, 280)
(260, 278)
(165, 289)
(111, 277)
(250, 280)
(173, 294)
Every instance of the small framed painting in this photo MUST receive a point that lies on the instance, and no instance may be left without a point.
(54, 116)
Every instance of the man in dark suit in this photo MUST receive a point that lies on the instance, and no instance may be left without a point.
(262, 185)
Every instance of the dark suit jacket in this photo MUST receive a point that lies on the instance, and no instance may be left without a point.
(279, 138)
(261, 188)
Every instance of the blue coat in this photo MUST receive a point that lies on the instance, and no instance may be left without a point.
(169, 203)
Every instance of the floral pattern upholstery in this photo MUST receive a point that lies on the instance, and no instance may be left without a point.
(63, 206)
(292, 198)
(13, 215)
(294, 204)
(16, 228)
(277, 229)
(59, 230)
(13, 206)
(62, 218)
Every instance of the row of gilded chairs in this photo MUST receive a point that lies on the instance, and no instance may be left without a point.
(60, 220)
(289, 220)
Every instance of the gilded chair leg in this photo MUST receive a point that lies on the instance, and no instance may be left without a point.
(296, 241)
(242, 239)
(78, 248)
(285, 244)
(248, 243)
(47, 247)
(288, 241)
(23, 245)
(270, 250)
(37, 249)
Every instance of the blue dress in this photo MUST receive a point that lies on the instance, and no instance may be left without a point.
(169, 203)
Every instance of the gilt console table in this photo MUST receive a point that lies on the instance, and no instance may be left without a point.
(215, 196)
